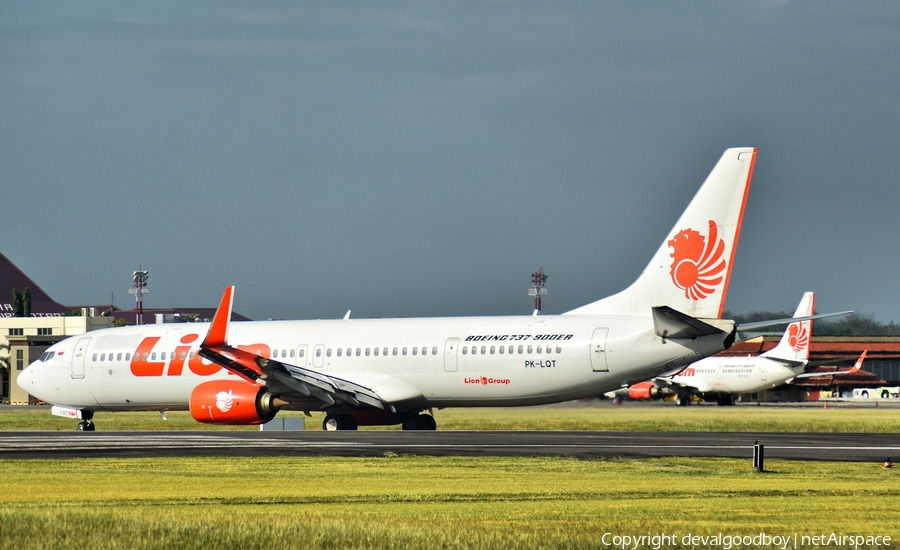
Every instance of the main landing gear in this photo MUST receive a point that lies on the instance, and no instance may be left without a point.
(335, 421)
(420, 422)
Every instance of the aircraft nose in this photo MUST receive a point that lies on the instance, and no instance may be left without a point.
(25, 380)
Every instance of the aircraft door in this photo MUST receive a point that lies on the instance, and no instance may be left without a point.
(319, 355)
(301, 355)
(450, 356)
(78, 357)
(598, 350)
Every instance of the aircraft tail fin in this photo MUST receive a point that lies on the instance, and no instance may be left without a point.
(691, 269)
(794, 344)
(859, 362)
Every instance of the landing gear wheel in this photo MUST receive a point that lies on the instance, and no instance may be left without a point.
(682, 400)
(86, 426)
(411, 423)
(350, 422)
(333, 423)
(426, 422)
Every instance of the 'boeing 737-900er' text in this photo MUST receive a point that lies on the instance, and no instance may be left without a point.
(394, 371)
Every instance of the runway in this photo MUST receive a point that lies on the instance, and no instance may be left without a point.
(587, 445)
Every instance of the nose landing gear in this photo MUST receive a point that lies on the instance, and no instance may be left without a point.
(86, 424)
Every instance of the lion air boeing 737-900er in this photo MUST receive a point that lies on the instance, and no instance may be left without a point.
(393, 371)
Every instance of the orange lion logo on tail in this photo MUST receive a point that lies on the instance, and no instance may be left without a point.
(798, 337)
(697, 262)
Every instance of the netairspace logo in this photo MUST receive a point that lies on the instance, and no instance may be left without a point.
(730, 542)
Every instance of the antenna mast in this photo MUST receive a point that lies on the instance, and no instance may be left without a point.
(538, 279)
(140, 282)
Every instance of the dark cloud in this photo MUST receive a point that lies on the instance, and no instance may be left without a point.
(405, 159)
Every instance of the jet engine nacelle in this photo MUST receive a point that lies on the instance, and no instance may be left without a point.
(644, 391)
(233, 402)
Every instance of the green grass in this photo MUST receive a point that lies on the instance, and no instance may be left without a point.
(429, 502)
(589, 417)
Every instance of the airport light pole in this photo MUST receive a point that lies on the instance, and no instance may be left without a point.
(140, 282)
(538, 279)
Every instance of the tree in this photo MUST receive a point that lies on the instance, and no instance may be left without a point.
(18, 304)
(4, 360)
(26, 303)
(853, 324)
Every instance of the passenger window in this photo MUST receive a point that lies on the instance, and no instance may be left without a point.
(328, 352)
(384, 351)
(529, 350)
(302, 352)
(414, 350)
(128, 357)
(94, 357)
(501, 349)
(474, 350)
(404, 351)
(465, 350)
(103, 357)
(558, 349)
(292, 353)
(145, 356)
(318, 352)
(358, 351)
(520, 349)
(181, 357)
(190, 355)
(483, 350)
(340, 351)
(367, 351)
(274, 354)
(376, 352)
(394, 351)
(539, 348)
(492, 350)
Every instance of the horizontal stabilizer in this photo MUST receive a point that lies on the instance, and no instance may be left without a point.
(789, 363)
(743, 327)
(671, 323)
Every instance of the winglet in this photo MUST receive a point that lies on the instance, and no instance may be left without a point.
(859, 362)
(218, 330)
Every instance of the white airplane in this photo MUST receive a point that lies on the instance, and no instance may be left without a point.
(389, 371)
(721, 377)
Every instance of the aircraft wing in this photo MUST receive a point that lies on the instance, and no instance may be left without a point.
(856, 366)
(673, 385)
(282, 379)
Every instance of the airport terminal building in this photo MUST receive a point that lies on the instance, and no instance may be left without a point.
(49, 322)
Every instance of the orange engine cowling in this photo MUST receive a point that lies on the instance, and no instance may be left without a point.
(232, 402)
(644, 391)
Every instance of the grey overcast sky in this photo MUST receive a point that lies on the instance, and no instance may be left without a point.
(424, 158)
